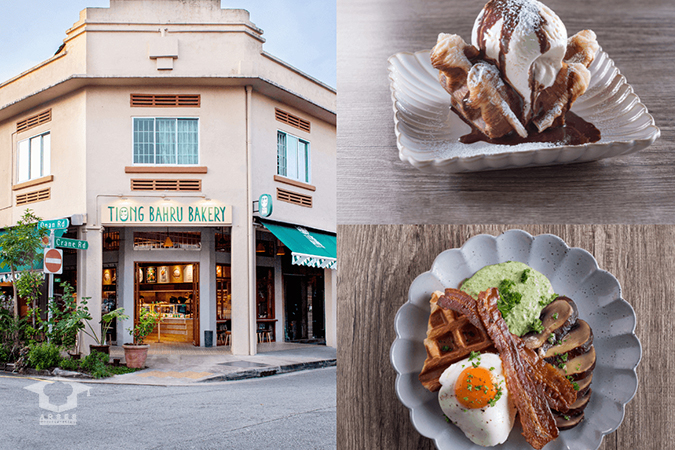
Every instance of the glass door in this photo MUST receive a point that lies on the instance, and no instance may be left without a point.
(172, 291)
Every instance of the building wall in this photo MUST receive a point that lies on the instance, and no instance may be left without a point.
(68, 156)
(322, 139)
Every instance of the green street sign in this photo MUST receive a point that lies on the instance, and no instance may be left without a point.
(71, 243)
(56, 224)
(265, 205)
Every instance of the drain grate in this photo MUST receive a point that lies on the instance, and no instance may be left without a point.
(243, 364)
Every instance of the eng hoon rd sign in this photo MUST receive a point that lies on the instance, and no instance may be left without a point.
(162, 212)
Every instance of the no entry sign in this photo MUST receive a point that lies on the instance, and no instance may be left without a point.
(53, 261)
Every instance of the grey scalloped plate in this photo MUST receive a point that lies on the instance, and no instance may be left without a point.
(574, 273)
(427, 132)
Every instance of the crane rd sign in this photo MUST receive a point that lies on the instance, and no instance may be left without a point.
(76, 244)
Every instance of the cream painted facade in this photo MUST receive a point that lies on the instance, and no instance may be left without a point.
(173, 47)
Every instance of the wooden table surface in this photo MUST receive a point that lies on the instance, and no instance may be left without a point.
(377, 266)
(376, 187)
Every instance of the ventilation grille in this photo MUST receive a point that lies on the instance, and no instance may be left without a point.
(34, 121)
(294, 121)
(32, 197)
(192, 101)
(166, 185)
(292, 197)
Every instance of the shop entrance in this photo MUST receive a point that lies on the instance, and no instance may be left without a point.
(172, 291)
(304, 307)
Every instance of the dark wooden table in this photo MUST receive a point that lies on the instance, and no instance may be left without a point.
(376, 187)
(377, 266)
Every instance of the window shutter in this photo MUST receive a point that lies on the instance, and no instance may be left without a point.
(295, 198)
(290, 119)
(169, 100)
(34, 121)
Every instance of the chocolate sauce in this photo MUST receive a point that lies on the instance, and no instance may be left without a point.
(576, 131)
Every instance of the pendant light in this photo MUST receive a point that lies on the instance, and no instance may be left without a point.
(167, 242)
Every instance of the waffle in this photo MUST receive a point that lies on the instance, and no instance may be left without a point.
(484, 99)
(450, 338)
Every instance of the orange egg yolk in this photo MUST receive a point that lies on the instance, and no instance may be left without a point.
(474, 387)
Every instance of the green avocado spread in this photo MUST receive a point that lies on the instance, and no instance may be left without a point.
(524, 292)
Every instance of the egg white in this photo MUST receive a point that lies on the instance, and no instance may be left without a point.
(486, 426)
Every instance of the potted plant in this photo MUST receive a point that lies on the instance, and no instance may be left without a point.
(135, 354)
(106, 322)
(77, 318)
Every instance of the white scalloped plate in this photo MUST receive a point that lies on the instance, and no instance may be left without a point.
(427, 131)
(573, 272)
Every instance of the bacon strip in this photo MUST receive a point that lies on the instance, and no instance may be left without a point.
(463, 303)
(558, 390)
(539, 427)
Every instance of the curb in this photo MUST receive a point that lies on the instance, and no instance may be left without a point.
(269, 371)
(234, 376)
(56, 372)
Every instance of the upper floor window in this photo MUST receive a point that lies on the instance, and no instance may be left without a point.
(293, 159)
(34, 157)
(166, 140)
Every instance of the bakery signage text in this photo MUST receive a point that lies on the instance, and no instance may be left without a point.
(126, 212)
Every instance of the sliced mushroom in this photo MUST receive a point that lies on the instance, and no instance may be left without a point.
(584, 383)
(577, 341)
(565, 422)
(580, 404)
(556, 318)
(579, 367)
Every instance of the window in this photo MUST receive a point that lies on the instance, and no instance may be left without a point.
(34, 157)
(293, 160)
(166, 141)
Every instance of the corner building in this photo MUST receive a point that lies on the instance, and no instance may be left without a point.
(166, 133)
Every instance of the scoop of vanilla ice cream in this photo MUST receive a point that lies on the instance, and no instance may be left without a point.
(526, 40)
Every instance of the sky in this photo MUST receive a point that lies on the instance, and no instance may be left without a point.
(299, 32)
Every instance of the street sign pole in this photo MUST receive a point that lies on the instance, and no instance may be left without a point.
(50, 285)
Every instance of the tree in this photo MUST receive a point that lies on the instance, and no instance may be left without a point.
(20, 248)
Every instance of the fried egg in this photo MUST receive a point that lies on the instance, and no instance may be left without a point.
(474, 397)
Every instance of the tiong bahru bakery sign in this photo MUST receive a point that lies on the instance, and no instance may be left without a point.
(163, 212)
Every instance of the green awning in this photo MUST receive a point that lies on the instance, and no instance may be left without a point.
(308, 247)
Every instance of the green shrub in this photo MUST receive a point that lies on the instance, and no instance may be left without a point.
(96, 363)
(44, 356)
(4, 354)
(70, 364)
(120, 370)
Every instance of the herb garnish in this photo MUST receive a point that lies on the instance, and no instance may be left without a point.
(493, 401)
(544, 300)
(508, 298)
(537, 326)
(475, 356)
(525, 275)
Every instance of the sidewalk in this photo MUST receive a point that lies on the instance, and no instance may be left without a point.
(184, 364)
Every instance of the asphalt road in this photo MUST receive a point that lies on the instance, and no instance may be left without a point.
(292, 411)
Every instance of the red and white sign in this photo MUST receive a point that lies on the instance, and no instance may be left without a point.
(53, 261)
